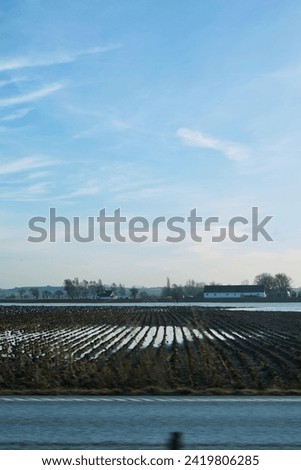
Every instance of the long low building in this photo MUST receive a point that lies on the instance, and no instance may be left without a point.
(233, 292)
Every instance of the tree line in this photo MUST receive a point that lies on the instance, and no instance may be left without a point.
(84, 289)
(276, 286)
(191, 290)
(37, 294)
(280, 285)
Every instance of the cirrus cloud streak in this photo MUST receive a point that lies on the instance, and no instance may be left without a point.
(232, 150)
(32, 96)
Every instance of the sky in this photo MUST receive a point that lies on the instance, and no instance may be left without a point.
(155, 108)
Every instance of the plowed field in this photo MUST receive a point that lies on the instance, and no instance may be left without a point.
(149, 350)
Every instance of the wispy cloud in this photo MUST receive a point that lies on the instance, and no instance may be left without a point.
(87, 133)
(231, 150)
(105, 124)
(11, 81)
(85, 191)
(38, 174)
(33, 96)
(16, 115)
(33, 192)
(120, 124)
(54, 59)
(292, 71)
(24, 164)
(144, 193)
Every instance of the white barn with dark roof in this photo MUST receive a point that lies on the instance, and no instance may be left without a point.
(233, 292)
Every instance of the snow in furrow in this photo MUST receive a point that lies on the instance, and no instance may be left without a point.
(85, 336)
(84, 340)
(262, 334)
(198, 334)
(20, 336)
(123, 331)
(160, 336)
(71, 341)
(51, 336)
(237, 334)
(217, 334)
(71, 334)
(169, 338)
(253, 334)
(179, 335)
(115, 334)
(138, 338)
(227, 335)
(206, 333)
(149, 337)
(187, 333)
(132, 333)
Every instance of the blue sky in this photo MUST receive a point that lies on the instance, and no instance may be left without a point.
(155, 108)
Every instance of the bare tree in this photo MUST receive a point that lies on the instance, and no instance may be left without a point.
(121, 290)
(21, 292)
(84, 288)
(266, 280)
(59, 293)
(276, 286)
(166, 291)
(134, 292)
(46, 294)
(177, 292)
(69, 288)
(283, 282)
(35, 292)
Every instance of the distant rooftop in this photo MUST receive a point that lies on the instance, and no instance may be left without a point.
(233, 288)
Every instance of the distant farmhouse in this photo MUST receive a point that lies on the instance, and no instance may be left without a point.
(107, 295)
(233, 292)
